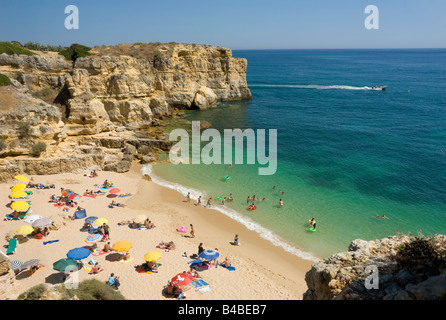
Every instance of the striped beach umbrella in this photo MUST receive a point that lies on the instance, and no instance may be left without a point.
(30, 263)
(92, 238)
(18, 187)
(78, 253)
(42, 223)
(22, 178)
(16, 264)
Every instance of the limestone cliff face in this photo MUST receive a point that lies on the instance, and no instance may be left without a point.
(349, 275)
(110, 95)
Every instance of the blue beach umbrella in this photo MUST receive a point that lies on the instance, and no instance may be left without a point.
(209, 254)
(78, 253)
(90, 220)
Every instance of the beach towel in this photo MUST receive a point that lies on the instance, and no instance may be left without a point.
(51, 241)
(200, 285)
(80, 214)
(12, 246)
(89, 195)
(98, 253)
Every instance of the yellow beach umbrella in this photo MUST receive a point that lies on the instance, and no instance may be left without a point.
(24, 230)
(122, 246)
(18, 194)
(139, 219)
(100, 221)
(18, 187)
(22, 178)
(20, 205)
(152, 256)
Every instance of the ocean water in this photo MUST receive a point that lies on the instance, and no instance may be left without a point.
(345, 153)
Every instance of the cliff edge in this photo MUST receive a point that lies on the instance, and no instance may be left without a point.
(401, 267)
(85, 112)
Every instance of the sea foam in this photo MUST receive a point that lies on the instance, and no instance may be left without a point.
(247, 222)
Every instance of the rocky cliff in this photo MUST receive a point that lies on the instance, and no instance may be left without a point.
(395, 268)
(84, 114)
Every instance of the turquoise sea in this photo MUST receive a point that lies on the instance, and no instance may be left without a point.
(346, 153)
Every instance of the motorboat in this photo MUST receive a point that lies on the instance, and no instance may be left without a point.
(379, 88)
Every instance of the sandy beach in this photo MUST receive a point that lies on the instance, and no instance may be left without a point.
(263, 271)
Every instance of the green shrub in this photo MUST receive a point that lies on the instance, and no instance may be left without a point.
(10, 48)
(34, 293)
(419, 251)
(38, 148)
(4, 80)
(24, 129)
(42, 47)
(91, 289)
(44, 94)
(78, 49)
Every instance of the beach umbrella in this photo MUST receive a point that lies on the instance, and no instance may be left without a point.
(18, 194)
(90, 220)
(65, 264)
(24, 230)
(114, 190)
(152, 256)
(42, 223)
(20, 205)
(16, 264)
(78, 253)
(100, 221)
(22, 178)
(140, 218)
(92, 238)
(209, 254)
(32, 218)
(182, 279)
(122, 246)
(30, 263)
(18, 187)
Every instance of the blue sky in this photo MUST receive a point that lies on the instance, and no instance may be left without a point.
(242, 24)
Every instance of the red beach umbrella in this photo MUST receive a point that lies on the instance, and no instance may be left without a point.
(182, 279)
(115, 190)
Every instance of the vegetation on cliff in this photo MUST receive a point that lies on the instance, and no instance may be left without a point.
(4, 80)
(14, 48)
(88, 290)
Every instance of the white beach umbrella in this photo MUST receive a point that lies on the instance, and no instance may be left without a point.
(32, 218)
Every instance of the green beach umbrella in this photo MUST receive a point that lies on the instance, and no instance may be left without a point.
(65, 264)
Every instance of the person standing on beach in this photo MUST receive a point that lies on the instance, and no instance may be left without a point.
(223, 201)
(192, 232)
(188, 197)
(236, 240)
(106, 229)
(200, 248)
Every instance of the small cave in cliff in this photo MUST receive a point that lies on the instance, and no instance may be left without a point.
(62, 99)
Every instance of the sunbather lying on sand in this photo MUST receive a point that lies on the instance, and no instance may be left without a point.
(166, 245)
(124, 222)
(115, 204)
